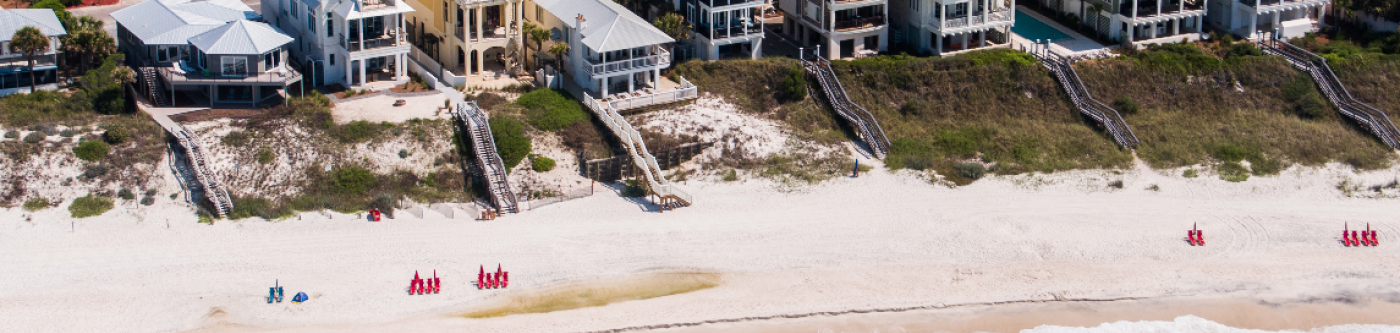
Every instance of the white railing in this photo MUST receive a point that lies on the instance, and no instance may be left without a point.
(638, 150)
(662, 58)
(686, 91)
(1003, 15)
(484, 148)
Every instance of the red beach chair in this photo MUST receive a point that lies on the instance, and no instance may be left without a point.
(1369, 235)
(1355, 239)
(1191, 237)
(481, 278)
(1346, 236)
(437, 284)
(1200, 237)
(413, 284)
(505, 279)
(1375, 240)
(498, 274)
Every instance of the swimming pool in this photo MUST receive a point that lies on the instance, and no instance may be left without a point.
(1030, 28)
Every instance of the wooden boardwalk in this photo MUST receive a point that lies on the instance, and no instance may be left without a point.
(1316, 66)
(478, 129)
(867, 128)
(1108, 118)
(213, 189)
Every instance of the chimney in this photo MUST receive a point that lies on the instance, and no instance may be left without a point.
(582, 22)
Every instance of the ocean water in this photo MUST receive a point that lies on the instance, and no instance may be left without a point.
(1194, 324)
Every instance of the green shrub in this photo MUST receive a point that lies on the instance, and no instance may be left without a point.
(385, 203)
(551, 110)
(94, 171)
(352, 180)
(35, 137)
(265, 155)
(90, 206)
(36, 204)
(403, 153)
(12, 134)
(126, 194)
(1233, 172)
(1232, 153)
(731, 175)
(67, 133)
(1311, 106)
(634, 189)
(794, 86)
(237, 138)
(1190, 173)
(91, 151)
(71, 3)
(511, 142)
(542, 164)
(356, 131)
(246, 207)
(148, 200)
(1125, 105)
(910, 108)
(116, 135)
(1261, 166)
(972, 171)
(1244, 49)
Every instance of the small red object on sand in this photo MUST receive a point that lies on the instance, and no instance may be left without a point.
(1346, 236)
(1355, 238)
(481, 278)
(498, 274)
(1200, 237)
(437, 284)
(505, 279)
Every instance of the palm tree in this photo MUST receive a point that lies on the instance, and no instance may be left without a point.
(87, 38)
(123, 74)
(558, 50)
(1098, 11)
(538, 35)
(29, 41)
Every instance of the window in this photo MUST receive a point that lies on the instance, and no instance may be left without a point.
(332, 59)
(235, 65)
(294, 13)
(330, 28)
(539, 13)
(444, 12)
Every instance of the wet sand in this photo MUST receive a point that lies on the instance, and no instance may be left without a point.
(1240, 313)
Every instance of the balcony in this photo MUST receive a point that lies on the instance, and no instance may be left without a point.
(660, 58)
(1168, 8)
(736, 29)
(1264, 4)
(723, 3)
(285, 75)
(1002, 15)
(355, 45)
(860, 23)
(15, 62)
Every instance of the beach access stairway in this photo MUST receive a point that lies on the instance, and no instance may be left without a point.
(213, 189)
(864, 123)
(1316, 66)
(151, 86)
(489, 161)
(645, 161)
(1063, 70)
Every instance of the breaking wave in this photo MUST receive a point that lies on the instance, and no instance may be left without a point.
(1194, 324)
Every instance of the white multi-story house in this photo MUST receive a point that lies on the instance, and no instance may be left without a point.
(1139, 22)
(948, 27)
(725, 28)
(468, 37)
(1249, 18)
(348, 42)
(611, 50)
(839, 28)
(14, 68)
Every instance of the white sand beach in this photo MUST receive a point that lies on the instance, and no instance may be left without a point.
(882, 241)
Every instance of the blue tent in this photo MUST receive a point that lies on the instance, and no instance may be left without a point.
(300, 297)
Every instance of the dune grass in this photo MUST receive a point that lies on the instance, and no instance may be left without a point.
(600, 293)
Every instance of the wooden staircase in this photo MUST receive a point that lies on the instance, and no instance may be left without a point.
(213, 190)
(670, 195)
(1316, 66)
(1112, 122)
(487, 159)
(152, 87)
(867, 128)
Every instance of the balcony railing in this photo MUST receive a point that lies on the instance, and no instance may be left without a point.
(284, 75)
(354, 45)
(722, 3)
(661, 58)
(1003, 15)
(1267, 3)
(1168, 8)
(737, 29)
(860, 23)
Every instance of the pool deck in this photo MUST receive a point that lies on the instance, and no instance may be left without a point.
(1079, 46)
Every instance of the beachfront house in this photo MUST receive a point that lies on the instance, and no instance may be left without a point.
(611, 50)
(840, 29)
(1250, 18)
(1139, 22)
(725, 28)
(347, 42)
(14, 67)
(204, 53)
(949, 27)
(467, 37)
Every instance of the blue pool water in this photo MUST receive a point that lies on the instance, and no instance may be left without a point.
(1033, 29)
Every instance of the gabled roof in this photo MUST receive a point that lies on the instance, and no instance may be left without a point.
(610, 27)
(170, 22)
(241, 38)
(11, 20)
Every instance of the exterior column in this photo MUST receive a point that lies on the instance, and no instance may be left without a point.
(1159, 6)
(1135, 6)
(362, 33)
(605, 87)
(982, 39)
(1320, 14)
(1176, 27)
(938, 44)
(1253, 25)
(480, 15)
(363, 74)
(1277, 17)
(398, 67)
(481, 63)
(1200, 21)
(631, 86)
(349, 73)
(212, 94)
(964, 40)
(656, 78)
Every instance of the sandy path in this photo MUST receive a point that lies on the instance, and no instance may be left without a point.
(879, 241)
